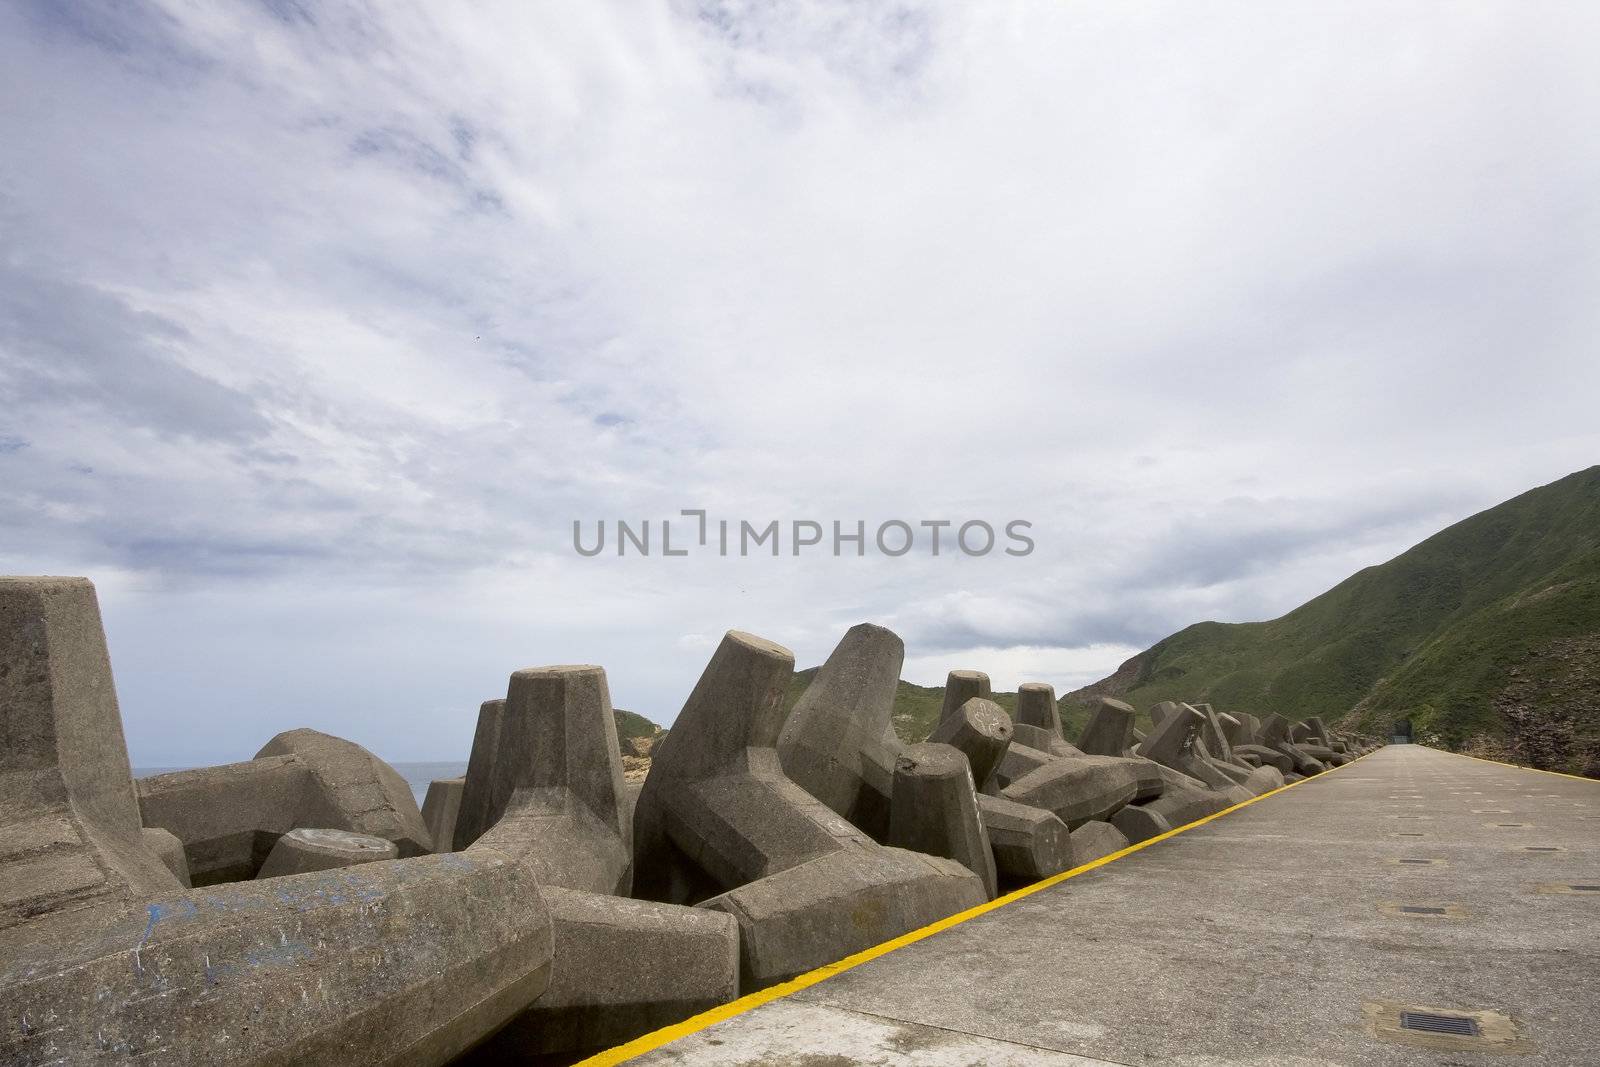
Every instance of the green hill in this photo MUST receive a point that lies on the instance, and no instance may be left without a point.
(1486, 634)
(631, 724)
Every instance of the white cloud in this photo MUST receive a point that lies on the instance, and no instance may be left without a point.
(319, 330)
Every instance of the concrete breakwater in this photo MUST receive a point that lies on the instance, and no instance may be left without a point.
(301, 906)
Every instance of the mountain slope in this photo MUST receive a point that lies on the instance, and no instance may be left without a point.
(1497, 613)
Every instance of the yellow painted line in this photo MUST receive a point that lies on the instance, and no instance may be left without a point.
(694, 1024)
(1518, 766)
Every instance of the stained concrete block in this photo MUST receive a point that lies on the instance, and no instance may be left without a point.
(67, 801)
(1028, 843)
(1037, 709)
(982, 730)
(960, 687)
(935, 810)
(1172, 739)
(309, 849)
(364, 794)
(1264, 780)
(440, 809)
(1077, 790)
(1094, 840)
(474, 815)
(1185, 799)
(789, 922)
(1019, 761)
(556, 796)
(1109, 731)
(1267, 757)
(621, 968)
(400, 963)
(838, 744)
(1213, 734)
(169, 850)
(229, 817)
(719, 824)
(1138, 822)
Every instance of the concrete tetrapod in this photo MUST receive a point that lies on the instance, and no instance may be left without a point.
(1029, 843)
(553, 780)
(1040, 714)
(1093, 840)
(360, 792)
(129, 964)
(718, 816)
(622, 968)
(1109, 731)
(838, 744)
(936, 810)
(960, 687)
(981, 730)
(70, 821)
(307, 849)
(440, 809)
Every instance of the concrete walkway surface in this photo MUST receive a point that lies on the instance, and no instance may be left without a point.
(1322, 925)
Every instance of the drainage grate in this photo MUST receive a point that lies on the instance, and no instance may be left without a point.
(1410, 835)
(1541, 848)
(1428, 1023)
(1413, 909)
(1418, 862)
(1584, 888)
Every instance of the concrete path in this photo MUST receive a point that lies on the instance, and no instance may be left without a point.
(1273, 935)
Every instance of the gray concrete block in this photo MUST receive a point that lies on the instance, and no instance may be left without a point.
(362, 794)
(67, 800)
(229, 817)
(169, 850)
(719, 824)
(1077, 790)
(935, 810)
(960, 687)
(621, 968)
(440, 809)
(838, 743)
(981, 729)
(473, 817)
(403, 963)
(555, 790)
(1095, 840)
(1138, 822)
(1109, 731)
(1028, 843)
(1037, 708)
(1267, 757)
(309, 849)
(790, 922)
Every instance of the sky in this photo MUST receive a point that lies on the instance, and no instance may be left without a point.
(320, 325)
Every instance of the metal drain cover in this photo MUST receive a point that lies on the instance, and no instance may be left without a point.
(1417, 909)
(1419, 863)
(1584, 888)
(1541, 848)
(1427, 1022)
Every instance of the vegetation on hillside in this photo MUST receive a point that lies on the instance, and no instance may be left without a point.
(1485, 634)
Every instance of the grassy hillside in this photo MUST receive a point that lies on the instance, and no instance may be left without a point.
(631, 724)
(1487, 632)
(916, 707)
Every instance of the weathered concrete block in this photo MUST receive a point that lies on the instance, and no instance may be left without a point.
(789, 922)
(718, 819)
(1019, 761)
(1077, 790)
(1138, 822)
(364, 794)
(555, 785)
(67, 801)
(398, 963)
(981, 730)
(838, 744)
(1267, 757)
(440, 809)
(621, 968)
(1028, 843)
(1109, 731)
(1037, 710)
(169, 850)
(309, 849)
(1264, 780)
(935, 810)
(1094, 840)
(1185, 799)
(474, 815)
(960, 687)
(229, 817)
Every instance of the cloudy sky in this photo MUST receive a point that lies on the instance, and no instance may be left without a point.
(320, 324)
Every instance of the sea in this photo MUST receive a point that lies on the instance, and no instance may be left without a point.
(417, 775)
